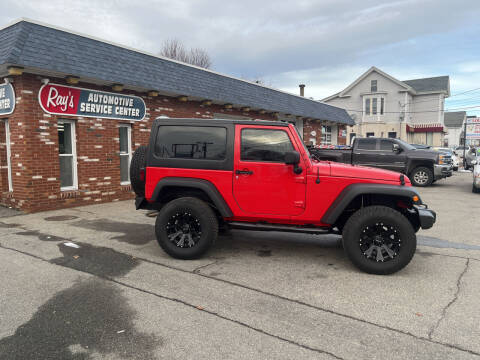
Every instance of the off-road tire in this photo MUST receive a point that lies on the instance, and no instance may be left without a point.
(362, 219)
(202, 214)
(421, 172)
(138, 162)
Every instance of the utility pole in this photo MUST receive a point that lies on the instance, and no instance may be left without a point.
(465, 143)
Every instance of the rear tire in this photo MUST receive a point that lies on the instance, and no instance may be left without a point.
(186, 228)
(379, 240)
(421, 176)
(138, 162)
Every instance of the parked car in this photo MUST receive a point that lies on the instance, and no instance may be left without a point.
(451, 157)
(476, 175)
(470, 155)
(257, 175)
(423, 167)
(460, 151)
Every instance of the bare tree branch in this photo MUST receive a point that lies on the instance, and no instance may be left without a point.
(174, 49)
(200, 58)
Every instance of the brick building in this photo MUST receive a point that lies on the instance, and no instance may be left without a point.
(73, 109)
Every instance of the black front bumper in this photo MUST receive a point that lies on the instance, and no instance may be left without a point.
(426, 217)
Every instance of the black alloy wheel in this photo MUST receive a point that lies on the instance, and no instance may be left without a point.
(184, 229)
(380, 242)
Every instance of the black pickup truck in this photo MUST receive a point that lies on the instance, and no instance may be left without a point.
(423, 167)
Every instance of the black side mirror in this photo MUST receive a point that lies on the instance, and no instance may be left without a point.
(397, 149)
(293, 158)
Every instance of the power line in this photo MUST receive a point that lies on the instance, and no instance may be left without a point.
(430, 100)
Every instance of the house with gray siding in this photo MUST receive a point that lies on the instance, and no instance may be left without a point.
(383, 106)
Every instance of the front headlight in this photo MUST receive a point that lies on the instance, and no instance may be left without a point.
(441, 159)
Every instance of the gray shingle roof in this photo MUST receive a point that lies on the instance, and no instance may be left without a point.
(454, 119)
(439, 83)
(41, 47)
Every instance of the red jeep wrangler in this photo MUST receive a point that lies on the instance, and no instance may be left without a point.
(201, 174)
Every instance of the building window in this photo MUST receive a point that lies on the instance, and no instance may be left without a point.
(125, 139)
(352, 135)
(326, 134)
(392, 134)
(67, 154)
(382, 105)
(429, 138)
(374, 106)
(373, 85)
(370, 134)
(264, 145)
(7, 154)
(367, 106)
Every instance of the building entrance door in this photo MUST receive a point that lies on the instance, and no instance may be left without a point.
(5, 157)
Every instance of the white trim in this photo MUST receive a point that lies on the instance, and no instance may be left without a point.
(433, 92)
(9, 155)
(145, 53)
(74, 155)
(14, 98)
(129, 147)
(91, 116)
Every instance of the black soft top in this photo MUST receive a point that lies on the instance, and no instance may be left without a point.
(210, 122)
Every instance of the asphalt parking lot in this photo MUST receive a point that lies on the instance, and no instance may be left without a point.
(91, 282)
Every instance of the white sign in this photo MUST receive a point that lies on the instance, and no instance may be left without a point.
(473, 129)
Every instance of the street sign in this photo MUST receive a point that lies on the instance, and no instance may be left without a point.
(7, 99)
(472, 129)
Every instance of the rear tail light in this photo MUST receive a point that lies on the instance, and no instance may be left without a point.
(142, 174)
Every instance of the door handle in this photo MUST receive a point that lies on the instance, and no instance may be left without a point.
(243, 172)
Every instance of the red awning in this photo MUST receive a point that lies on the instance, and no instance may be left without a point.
(425, 128)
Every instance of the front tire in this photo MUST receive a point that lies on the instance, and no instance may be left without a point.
(186, 228)
(421, 176)
(379, 240)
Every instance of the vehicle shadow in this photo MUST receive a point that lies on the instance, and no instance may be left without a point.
(239, 243)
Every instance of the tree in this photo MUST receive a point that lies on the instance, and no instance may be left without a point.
(174, 49)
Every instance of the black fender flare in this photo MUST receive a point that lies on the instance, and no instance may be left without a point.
(201, 184)
(354, 190)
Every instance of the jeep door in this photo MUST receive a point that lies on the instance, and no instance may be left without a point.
(262, 183)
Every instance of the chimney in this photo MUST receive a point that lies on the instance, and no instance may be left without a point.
(302, 89)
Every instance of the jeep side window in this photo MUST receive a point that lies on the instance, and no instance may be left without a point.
(367, 144)
(264, 145)
(191, 142)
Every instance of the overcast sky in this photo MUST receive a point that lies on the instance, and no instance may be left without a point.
(325, 44)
